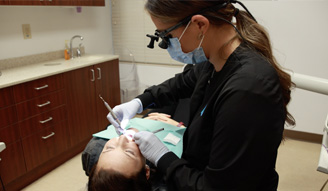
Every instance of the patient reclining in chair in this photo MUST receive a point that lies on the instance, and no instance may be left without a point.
(114, 162)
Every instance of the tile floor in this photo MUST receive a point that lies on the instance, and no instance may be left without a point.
(297, 164)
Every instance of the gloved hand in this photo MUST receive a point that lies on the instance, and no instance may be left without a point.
(125, 112)
(150, 146)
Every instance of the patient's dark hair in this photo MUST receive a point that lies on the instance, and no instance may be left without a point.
(111, 180)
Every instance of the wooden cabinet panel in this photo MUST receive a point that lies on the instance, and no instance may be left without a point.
(40, 104)
(55, 2)
(9, 134)
(108, 86)
(42, 146)
(81, 104)
(12, 164)
(33, 2)
(7, 116)
(38, 87)
(4, 2)
(39, 122)
(6, 97)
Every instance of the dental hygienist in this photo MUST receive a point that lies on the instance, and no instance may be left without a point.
(239, 96)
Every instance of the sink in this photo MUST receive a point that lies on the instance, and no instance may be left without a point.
(53, 64)
(90, 58)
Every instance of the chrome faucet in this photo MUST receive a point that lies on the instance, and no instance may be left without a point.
(71, 45)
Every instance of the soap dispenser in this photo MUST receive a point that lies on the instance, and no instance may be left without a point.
(66, 51)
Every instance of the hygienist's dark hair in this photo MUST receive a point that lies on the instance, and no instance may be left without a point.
(111, 180)
(253, 34)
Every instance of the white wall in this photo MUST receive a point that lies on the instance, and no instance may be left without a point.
(51, 26)
(298, 30)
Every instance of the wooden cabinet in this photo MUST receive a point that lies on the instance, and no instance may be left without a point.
(54, 2)
(85, 85)
(42, 116)
(47, 121)
(12, 164)
(4, 2)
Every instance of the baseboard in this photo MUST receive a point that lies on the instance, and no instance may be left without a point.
(303, 136)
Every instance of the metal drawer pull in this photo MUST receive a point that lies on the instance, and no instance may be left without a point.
(93, 75)
(44, 104)
(99, 71)
(42, 87)
(48, 136)
(47, 120)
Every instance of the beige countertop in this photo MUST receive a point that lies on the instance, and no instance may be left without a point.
(21, 74)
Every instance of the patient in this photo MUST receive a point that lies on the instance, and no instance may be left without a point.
(120, 167)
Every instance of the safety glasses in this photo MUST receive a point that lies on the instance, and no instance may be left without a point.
(164, 35)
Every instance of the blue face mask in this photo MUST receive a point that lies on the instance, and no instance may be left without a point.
(195, 57)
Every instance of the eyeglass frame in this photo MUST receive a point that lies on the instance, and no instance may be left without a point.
(163, 35)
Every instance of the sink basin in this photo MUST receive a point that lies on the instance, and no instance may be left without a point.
(90, 58)
(53, 64)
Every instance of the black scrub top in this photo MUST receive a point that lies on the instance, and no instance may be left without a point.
(237, 119)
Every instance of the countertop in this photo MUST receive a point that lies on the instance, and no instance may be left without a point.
(18, 75)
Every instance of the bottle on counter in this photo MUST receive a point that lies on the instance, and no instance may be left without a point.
(66, 52)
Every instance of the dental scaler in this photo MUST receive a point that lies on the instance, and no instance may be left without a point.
(119, 129)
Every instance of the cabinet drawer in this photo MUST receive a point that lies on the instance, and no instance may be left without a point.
(40, 105)
(7, 116)
(44, 145)
(42, 121)
(37, 88)
(12, 164)
(6, 97)
(9, 134)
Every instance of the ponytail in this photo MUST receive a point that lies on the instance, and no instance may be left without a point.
(257, 38)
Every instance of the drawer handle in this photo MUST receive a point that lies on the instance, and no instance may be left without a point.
(44, 104)
(93, 75)
(99, 73)
(48, 136)
(47, 120)
(42, 87)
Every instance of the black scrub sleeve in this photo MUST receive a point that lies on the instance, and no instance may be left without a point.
(181, 86)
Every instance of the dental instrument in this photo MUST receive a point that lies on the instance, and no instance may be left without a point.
(158, 130)
(119, 129)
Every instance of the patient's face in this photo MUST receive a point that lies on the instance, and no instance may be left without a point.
(122, 155)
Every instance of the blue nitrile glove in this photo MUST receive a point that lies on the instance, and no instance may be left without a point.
(150, 146)
(125, 112)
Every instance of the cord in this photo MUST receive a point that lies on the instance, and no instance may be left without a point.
(324, 185)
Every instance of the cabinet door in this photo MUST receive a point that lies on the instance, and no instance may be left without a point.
(108, 85)
(81, 104)
(38, 87)
(6, 97)
(33, 2)
(46, 144)
(54, 2)
(4, 2)
(7, 116)
(9, 134)
(12, 164)
(40, 104)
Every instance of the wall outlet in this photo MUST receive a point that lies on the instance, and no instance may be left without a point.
(27, 34)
